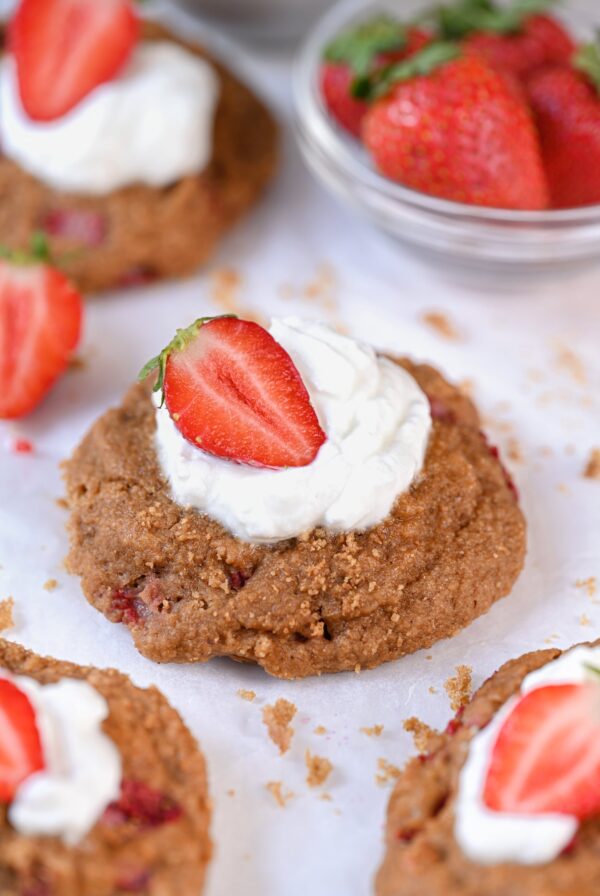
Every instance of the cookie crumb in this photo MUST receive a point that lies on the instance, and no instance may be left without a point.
(584, 620)
(231, 792)
(319, 769)
(441, 324)
(277, 718)
(62, 503)
(326, 796)
(387, 772)
(50, 585)
(225, 289)
(422, 734)
(247, 695)
(570, 363)
(275, 788)
(592, 468)
(589, 585)
(320, 729)
(431, 689)
(458, 687)
(7, 619)
(373, 731)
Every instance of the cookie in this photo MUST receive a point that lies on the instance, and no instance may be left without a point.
(322, 602)
(423, 856)
(153, 838)
(141, 233)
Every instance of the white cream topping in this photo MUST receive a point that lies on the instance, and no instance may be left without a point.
(82, 773)
(152, 124)
(491, 837)
(377, 421)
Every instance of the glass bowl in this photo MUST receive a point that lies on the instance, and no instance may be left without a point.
(456, 230)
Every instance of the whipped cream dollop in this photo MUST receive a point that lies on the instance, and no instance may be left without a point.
(153, 124)
(377, 422)
(490, 837)
(82, 773)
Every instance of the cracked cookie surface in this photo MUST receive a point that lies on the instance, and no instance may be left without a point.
(424, 859)
(323, 602)
(155, 838)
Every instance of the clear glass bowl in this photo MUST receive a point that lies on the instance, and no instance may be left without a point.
(462, 232)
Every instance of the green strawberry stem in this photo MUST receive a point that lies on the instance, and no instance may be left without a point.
(38, 252)
(587, 61)
(593, 669)
(431, 57)
(180, 340)
(466, 16)
(358, 46)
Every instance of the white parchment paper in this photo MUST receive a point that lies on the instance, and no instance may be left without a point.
(529, 349)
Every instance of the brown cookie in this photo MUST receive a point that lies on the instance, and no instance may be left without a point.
(155, 839)
(323, 602)
(424, 859)
(141, 233)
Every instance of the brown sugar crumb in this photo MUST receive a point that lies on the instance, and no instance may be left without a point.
(589, 585)
(62, 503)
(592, 468)
(6, 614)
(422, 734)
(441, 324)
(277, 718)
(387, 772)
(50, 585)
(458, 687)
(225, 289)
(320, 729)
(319, 769)
(373, 731)
(275, 788)
(247, 695)
(570, 363)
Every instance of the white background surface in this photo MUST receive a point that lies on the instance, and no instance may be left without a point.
(513, 333)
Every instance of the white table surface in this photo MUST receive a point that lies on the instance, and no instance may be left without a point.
(515, 334)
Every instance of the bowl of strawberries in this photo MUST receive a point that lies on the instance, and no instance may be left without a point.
(470, 129)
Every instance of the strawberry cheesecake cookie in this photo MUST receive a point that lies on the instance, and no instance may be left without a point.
(102, 788)
(509, 800)
(133, 150)
(290, 498)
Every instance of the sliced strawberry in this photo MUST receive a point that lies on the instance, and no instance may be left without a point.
(65, 48)
(20, 745)
(79, 226)
(547, 755)
(233, 391)
(40, 324)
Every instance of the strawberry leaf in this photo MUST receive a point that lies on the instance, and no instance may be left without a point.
(38, 252)
(431, 57)
(587, 61)
(358, 46)
(463, 18)
(180, 340)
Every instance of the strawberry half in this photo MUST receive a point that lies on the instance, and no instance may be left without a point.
(20, 746)
(234, 392)
(40, 325)
(63, 49)
(547, 755)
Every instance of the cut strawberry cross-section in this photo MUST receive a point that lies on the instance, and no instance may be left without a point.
(64, 49)
(234, 392)
(20, 745)
(547, 755)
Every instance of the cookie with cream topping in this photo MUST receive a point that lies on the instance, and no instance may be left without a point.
(139, 177)
(508, 800)
(334, 510)
(102, 787)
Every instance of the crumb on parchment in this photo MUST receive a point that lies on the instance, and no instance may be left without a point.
(50, 585)
(589, 585)
(387, 771)
(247, 695)
(319, 769)
(320, 729)
(275, 788)
(569, 362)
(458, 687)
(225, 287)
(7, 619)
(592, 467)
(441, 324)
(423, 736)
(373, 731)
(584, 619)
(277, 718)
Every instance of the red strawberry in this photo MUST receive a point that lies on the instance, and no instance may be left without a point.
(566, 106)
(40, 324)
(373, 45)
(65, 48)
(451, 126)
(547, 755)
(541, 40)
(79, 226)
(235, 392)
(20, 745)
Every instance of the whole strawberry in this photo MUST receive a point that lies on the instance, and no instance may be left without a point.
(357, 52)
(566, 104)
(449, 125)
(515, 38)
